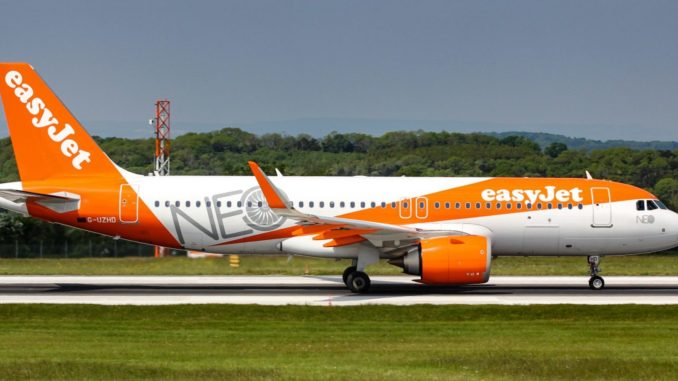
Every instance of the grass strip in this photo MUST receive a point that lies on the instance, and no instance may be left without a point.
(227, 342)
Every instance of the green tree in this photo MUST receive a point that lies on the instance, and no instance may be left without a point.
(667, 190)
(555, 149)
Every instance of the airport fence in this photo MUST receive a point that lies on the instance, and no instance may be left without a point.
(81, 249)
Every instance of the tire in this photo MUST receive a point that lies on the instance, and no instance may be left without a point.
(358, 282)
(347, 272)
(596, 283)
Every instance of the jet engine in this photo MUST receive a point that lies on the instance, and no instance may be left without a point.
(450, 260)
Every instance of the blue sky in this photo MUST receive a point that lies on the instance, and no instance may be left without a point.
(598, 69)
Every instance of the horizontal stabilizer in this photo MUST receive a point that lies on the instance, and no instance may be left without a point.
(60, 202)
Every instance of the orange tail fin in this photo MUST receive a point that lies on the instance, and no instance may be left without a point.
(48, 141)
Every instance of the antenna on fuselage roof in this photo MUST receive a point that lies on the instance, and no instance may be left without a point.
(588, 176)
(278, 173)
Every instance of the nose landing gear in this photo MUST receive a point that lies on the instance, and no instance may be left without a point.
(596, 282)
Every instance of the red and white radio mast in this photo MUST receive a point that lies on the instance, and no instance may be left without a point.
(162, 137)
(161, 123)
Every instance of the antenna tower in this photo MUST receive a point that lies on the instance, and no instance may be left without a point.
(162, 137)
(161, 123)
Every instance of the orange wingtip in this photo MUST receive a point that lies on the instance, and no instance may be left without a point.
(272, 198)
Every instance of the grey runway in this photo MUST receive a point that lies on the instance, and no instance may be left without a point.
(328, 290)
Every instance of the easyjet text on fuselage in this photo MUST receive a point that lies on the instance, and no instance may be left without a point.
(548, 194)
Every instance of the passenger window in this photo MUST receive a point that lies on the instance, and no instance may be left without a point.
(310, 204)
(560, 206)
(478, 205)
(468, 205)
(157, 204)
(421, 205)
(383, 204)
(580, 206)
(457, 205)
(405, 205)
(549, 205)
(539, 206)
(569, 206)
(362, 204)
(529, 205)
(208, 204)
(249, 204)
(301, 204)
(239, 204)
(519, 206)
(177, 203)
(488, 205)
(373, 204)
(393, 205)
(508, 206)
(342, 204)
(260, 204)
(651, 205)
(331, 204)
(498, 205)
(352, 204)
(228, 204)
(447, 205)
(219, 204)
(167, 203)
(197, 204)
(321, 204)
(188, 204)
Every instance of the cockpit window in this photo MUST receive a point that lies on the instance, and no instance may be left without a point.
(660, 204)
(651, 205)
(640, 205)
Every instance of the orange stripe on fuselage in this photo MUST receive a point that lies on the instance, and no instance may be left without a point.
(473, 194)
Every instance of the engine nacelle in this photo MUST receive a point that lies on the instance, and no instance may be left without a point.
(449, 260)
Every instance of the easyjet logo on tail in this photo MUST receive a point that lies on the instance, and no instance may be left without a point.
(43, 117)
(548, 194)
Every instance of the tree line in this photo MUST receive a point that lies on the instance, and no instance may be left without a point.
(404, 153)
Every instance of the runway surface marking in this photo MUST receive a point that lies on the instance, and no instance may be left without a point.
(328, 290)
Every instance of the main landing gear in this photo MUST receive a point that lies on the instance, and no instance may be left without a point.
(356, 281)
(596, 282)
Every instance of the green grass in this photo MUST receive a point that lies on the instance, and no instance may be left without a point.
(627, 265)
(75, 342)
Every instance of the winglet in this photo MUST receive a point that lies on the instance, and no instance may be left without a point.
(274, 197)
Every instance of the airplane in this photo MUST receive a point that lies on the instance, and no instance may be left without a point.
(446, 230)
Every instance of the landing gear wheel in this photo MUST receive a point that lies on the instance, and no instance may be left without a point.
(347, 272)
(358, 282)
(596, 283)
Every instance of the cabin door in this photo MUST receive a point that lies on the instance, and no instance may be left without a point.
(129, 203)
(602, 207)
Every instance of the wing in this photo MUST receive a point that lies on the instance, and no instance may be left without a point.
(343, 231)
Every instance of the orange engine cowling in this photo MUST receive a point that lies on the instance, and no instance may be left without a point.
(449, 260)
